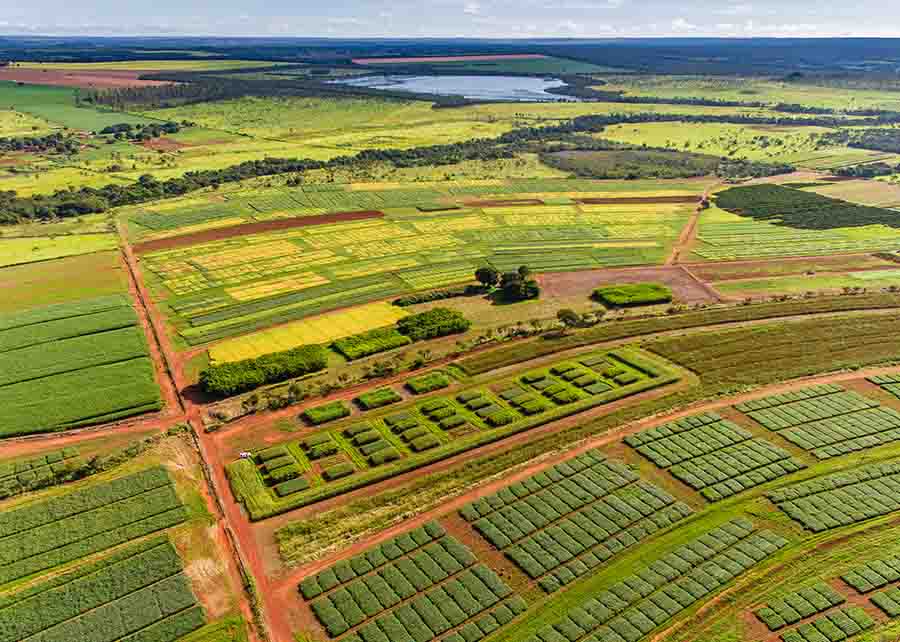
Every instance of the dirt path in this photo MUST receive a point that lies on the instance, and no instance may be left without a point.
(689, 233)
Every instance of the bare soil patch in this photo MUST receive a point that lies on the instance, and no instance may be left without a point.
(88, 79)
(206, 236)
(377, 61)
(163, 145)
(566, 284)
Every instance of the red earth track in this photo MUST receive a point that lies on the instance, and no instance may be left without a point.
(245, 229)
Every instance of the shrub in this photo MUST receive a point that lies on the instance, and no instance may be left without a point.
(439, 322)
(454, 421)
(424, 443)
(428, 382)
(374, 447)
(325, 413)
(434, 404)
(367, 437)
(371, 342)
(322, 450)
(285, 473)
(292, 486)
(229, 379)
(337, 471)
(384, 456)
(314, 440)
(631, 294)
(440, 295)
(377, 399)
(356, 429)
(272, 453)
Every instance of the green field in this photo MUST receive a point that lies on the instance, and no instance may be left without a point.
(57, 106)
(73, 364)
(18, 251)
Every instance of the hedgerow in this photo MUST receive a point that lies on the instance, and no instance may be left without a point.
(428, 382)
(229, 379)
(327, 412)
(378, 399)
(368, 343)
(431, 324)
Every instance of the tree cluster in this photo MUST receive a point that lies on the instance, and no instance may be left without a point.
(55, 143)
(227, 379)
(129, 131)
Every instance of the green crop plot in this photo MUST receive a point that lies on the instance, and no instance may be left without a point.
(873, 575)
(562, 523)
(416, 433)
(73, 364)
(834, 626)
(19, 251)
(713, 455)
(890, 383)
(417, 586)
(57, 105)
(17, 475)
(136, 594)
(43, 535)
(639, 603)
(841, 499)
(792, 607)
(826, 420)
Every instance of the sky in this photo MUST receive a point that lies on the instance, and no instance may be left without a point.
(454, 18)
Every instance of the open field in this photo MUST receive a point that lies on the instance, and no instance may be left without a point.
(832, 282)
(73, 364)
(18, 251)
(57, 105)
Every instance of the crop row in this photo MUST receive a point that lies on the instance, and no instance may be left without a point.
(797, 605)
(834, 481)
(373, 559)
(789, 397)
(424, 613)
(36, 466)
(873, 575)
(734, 469)
(806, 411)
(685, 445)
(833, 627)
(846, 433)
(890, 383)
(638, 604)
(60, 311)
(46, 534)
(676, 427)
(849, 503)
(66, 328)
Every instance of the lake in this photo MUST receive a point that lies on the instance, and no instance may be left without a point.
(506, 88)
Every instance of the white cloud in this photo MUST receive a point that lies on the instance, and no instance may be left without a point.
(472, 8)
(681, 25)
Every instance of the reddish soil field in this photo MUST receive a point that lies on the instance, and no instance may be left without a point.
(206, 236)
(639, 200)
(684, 287)
(87, 79)
(388, 61)
(163, 145)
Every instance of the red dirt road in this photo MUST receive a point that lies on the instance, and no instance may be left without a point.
(206, 236)
(99, 79)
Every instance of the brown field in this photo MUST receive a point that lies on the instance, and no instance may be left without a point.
(163, 145)
(85, 79)
(685, 288)
(393, 61)
(206, 236)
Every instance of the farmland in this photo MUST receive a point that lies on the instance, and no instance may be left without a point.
(305, 362)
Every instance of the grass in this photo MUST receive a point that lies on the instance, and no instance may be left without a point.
(48, 282)
(834, 282)
(17, 251)
(16, 123)
(57, 105)
(322, 329)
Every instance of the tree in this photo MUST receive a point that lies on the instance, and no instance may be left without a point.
(569, 318)
(517, 288)
(487, 276)
(524, 272)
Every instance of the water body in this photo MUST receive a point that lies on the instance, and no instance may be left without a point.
(506, 88)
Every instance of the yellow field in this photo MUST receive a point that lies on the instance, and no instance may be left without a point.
(322, 329)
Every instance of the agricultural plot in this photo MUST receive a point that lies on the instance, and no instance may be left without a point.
(873, 575)
(841, 499)
(724, 236)
(638, 604)
(322, 329)
(560, 524)
(826, 420)
(416, 587)
(890, 383)
(19, 251)
(792, 607)
(27, 472)
(233, 286)
(136, 594)
(832, 627)
(43, 535)
(73, 364)
(414, 433)
(713, 455)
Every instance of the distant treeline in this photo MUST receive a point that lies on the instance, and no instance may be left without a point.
(569, 135)
(869, 170)
(56, 143)
(882, 140)
(144, 132)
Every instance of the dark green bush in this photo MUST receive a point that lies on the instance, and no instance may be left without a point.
(337, 471)
(229, 379)
(328, 412)
(439, 322)
(630, 294)
(369, 343)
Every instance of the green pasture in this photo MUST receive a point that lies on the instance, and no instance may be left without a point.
(15, 251)
(57, 105)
